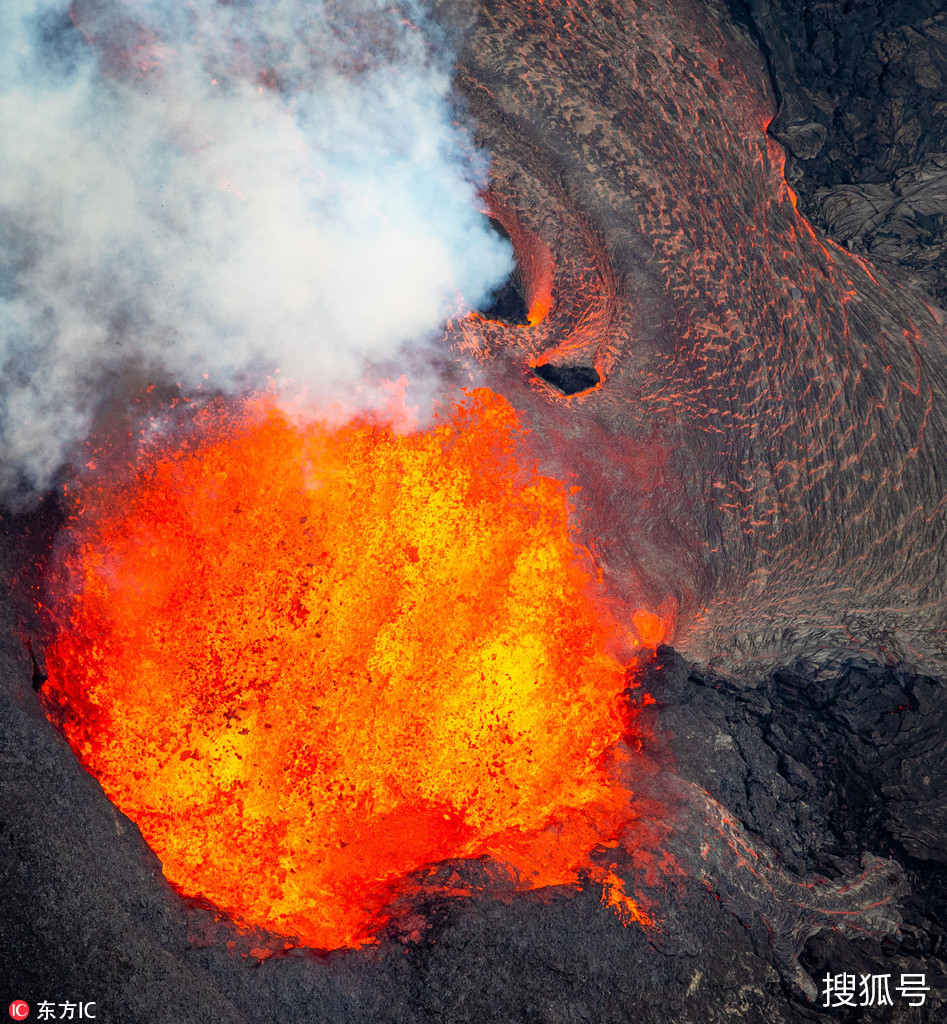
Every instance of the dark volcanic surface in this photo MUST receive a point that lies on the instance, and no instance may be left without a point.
(819, 761)
(823, 767)
(863, 113)
(763, 454)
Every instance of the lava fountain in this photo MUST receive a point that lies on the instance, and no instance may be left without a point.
(310, 661)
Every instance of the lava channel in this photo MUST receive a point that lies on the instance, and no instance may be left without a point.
(307, 662)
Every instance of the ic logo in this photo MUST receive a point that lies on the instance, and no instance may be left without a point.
(19, 1010)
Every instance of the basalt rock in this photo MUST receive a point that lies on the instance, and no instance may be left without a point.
(757, 423)
(762, 453)
(821, 765)
(860, 92)
(902, 222)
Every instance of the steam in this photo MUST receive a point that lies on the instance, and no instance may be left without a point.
(216, 193)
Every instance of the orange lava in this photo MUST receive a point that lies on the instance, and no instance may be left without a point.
(310, 661)
(539, 309)
(533, 258)
(615, 897)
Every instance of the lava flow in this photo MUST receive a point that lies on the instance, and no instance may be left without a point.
(310, 661)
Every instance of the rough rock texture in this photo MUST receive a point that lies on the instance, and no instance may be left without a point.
(862, 91)
(794, 772)
(825, 763)
(759, 437)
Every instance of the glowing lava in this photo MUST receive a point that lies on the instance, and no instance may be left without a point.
(308, 662)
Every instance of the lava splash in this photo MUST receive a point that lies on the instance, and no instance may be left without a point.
(310, 661)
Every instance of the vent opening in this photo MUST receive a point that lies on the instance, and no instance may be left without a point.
(507, 303)
(570, 379)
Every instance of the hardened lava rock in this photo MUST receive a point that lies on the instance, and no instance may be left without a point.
(777, 906)
(760, 451)
(861, 112)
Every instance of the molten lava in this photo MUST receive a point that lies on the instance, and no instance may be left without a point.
(310, 661)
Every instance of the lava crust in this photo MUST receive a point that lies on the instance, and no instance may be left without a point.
(761, 457)
(765, 450)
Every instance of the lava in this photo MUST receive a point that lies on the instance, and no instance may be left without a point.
(308, 662)
(775, 407)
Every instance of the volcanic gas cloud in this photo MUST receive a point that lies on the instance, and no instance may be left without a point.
(308, 662)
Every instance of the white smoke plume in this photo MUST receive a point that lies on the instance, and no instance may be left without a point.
(215, 192)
